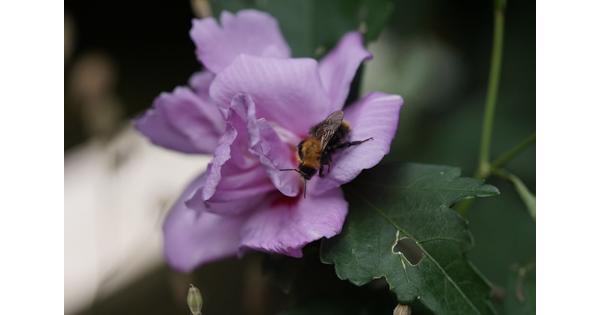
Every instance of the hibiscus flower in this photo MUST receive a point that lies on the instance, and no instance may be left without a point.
(250, 108)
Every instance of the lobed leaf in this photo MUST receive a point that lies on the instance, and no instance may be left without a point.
(406, 233)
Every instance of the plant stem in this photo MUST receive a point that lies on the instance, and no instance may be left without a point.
(486, 168)
(526, 195)
(510, 154)
(495, 169)
(483, 170)
(492, 91)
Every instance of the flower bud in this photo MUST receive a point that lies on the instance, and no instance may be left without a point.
(194, 300)
(402, 310)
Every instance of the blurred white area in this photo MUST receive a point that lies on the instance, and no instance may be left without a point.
(118, 186)
(116, 196)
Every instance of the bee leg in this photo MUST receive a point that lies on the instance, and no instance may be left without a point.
(321, 174)
(325, 161)
(351, 143)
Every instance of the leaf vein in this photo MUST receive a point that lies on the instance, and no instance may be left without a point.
(446, 275)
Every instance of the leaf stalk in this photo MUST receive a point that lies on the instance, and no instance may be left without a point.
(512, 153)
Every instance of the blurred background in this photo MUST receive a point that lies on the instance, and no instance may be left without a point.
(120, 55)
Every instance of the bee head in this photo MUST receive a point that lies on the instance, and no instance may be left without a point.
(307, 171)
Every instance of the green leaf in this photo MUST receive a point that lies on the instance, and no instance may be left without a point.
(520, 291)
(312, 27)
(429, 262)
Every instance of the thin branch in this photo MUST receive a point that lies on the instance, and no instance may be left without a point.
(512, 153)
(526, 195)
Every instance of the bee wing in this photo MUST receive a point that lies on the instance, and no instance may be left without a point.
(327, 128)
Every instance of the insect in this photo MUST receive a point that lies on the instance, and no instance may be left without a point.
(324, 139)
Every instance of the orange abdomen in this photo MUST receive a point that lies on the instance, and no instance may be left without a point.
(310, 152)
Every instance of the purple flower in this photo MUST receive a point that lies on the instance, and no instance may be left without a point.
(250, 110)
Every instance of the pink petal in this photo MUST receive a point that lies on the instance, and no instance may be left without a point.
(337, 68)
(235, 179)
(182, 121)
(236, 192)
(248, 32)
(375, 115)
(222, 154)
(284, 225)
(272, 152)
(193, 238)
(231, 176)
(287, 92)
(200, 83)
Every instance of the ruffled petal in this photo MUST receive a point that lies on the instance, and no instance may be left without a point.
(235, 179)
(265, 144)
(284, 225)
(337, 69)
(287, 92)
(222, 154)
(247, 32)
(200, 83)
(182, 121)
(374, 116)
(193, 238)
(236, 192)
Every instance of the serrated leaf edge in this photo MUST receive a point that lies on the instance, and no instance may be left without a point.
(446, 275)
(491, 191)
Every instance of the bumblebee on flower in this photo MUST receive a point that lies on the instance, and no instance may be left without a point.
(250, 109)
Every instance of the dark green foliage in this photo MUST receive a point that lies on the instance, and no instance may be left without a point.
(520, 291)
(415, 204)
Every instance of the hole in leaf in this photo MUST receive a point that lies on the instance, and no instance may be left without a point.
(409, 249)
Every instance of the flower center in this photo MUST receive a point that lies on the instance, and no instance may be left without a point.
(283, 200)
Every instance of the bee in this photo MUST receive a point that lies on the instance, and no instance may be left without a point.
(324, 139)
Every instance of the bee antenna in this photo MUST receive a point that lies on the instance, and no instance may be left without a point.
(304, 187)
(290, 169)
